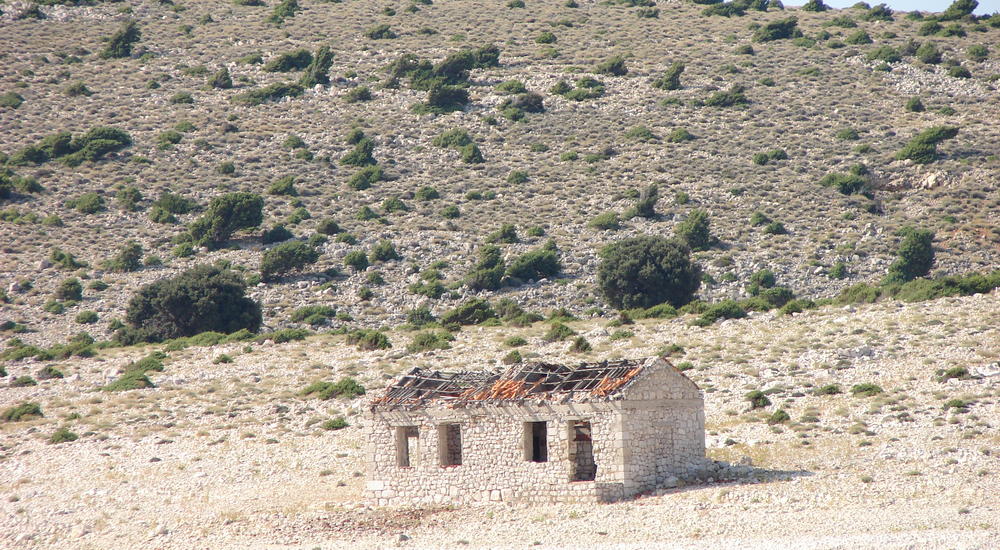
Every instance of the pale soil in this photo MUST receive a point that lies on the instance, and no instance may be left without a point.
(237, 471)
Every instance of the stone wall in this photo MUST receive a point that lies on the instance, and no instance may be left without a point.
(653, 434)
(495, 464)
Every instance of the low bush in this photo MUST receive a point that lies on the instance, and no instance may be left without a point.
(347, 388)
(338, 423)
(273, 92)
(62, 435)
(430, 340)
(779, 29)
(757, 399)
(286, 257)
(866, 390)
(368, 340)
(24, 411)
(469, 312)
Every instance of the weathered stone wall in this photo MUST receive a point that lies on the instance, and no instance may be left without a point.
(654, 433)
(494, 462)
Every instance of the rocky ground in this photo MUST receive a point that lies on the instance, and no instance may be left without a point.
(229, 455)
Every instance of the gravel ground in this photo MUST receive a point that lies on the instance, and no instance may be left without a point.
(228, 455)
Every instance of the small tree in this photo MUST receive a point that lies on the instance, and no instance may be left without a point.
(695, 230)
(221, 80)
(647, 271)
(70, 289)
(227, 214)
(671, 80)
(915, 255)
(316, 72)
(204, 298)
(120, 43)
(129, 258)
(488, 271)
(286, 257)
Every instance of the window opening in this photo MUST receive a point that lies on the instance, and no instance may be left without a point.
(450, 444)
(407, 446)
(581, 452)
(536, 445)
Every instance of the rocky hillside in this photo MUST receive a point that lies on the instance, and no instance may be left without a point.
(567, 127)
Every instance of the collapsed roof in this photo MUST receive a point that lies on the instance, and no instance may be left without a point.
(536, 381)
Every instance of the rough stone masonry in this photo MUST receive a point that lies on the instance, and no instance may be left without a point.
(536, 432)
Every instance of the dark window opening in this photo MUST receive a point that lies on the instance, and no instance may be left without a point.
(581, 452)
(450, 444)
(536, 444)
(407, 446)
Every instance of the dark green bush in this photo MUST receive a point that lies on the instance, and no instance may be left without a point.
(361, 155)
(380, 32)
(488, 271)
(384, 251)
(317, 72)
(915, 255)
(734, 96)
(227, 214)
(614, 66)
(285, 257)
(120, 43)
(276, 234)
(605, 221)
(130, 380)
(866, 390)
(204, 298)
(922, 149)
(429, 340)
(778, 29)
(62, 435)
(283, 186)
(778, 417)
(283, 10)
(847, 184)
(23, 382)
(368, 340)
(70, 289)
(534, 265)
(757, 399)
(338, 423)
(87, 203)
(695, 230)
(727, 309)
(929, 53)
(11, 100)
(886, 54)
(469, 312)
(642, 272)
(86, 317)
(24, 411)
(345, 387)
(273, 92)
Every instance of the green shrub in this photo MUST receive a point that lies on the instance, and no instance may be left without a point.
(368, 340)
(886, 54)
(958, 71)
(605, 222)
(334, 424)
(313, 315)
(838, 271)
(23, 382)
(847, 184)
(429, 340)
(695, 230)
(285, 335)
(680, 135)
(507, 234)
(847, 134)
(734, 96)
(276, 234)
(130, 380)
(345, 387)
(488, 271)
(558, 332)
(358, 95)
(757, 399)
(11, 100)
(357, 260)
(914, 257)
(929, 53)
(86, 317)
(426, 193)
(454, 138)
(283, 10)
(227, 214)
(641, 133)
(977, 52)
(922, 149)
(470, 312)
(642, 272)
(182, 98)
(958, 373)
(880, 12)
(204, 298)
(283, 186)
(959, 9)
(384, 251)
(328, 226)
(221, 80)
(858, 38)
(128, 258)
(727, 309)
(580, 345)
(120, 43)
(380, 32)
(534, 265)
(273, 92)
(21, 412)
(87, 203)
(865, 390)
(69, 289)
(286, 257)
(778, 417)
(778, 29)
(829, 389)
(62, 435)
(914, 105)
(317, 72)
(614, 66)
(512, 358)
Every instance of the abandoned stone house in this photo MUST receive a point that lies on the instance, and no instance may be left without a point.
(536, 432)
